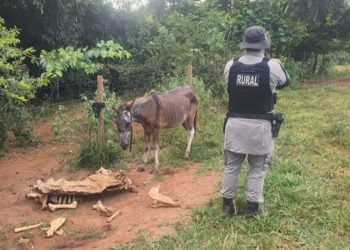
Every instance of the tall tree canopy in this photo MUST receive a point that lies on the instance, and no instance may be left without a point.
(165, 35)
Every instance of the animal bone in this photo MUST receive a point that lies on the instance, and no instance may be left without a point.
(103, 209)
(55, 226)
(39, 197)
(62, 191)
(162, 199)
(21, 229)
(24, 243)
(113, 216)
(54, 207)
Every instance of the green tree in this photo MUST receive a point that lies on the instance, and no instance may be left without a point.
(327, 28)
(17, 86)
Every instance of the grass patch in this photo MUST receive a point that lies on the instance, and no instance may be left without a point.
(306, 191)
(340, 70)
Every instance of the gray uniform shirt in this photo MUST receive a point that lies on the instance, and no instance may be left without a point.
(253, 136)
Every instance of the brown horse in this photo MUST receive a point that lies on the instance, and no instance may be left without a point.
(157, 111)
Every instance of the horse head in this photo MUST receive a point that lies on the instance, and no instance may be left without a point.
(124, 124)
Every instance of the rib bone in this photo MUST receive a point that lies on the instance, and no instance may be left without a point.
(54, 207)
(161, 200)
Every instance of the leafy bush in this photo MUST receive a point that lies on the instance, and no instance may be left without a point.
(204, 93)
(15, 119)
(339, 58)
(59, 124)
(3, 136)
(89, 155)
(294, 70)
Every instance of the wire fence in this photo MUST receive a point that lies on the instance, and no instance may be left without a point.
(65, 92)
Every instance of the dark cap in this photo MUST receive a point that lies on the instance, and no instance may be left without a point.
(255, 38)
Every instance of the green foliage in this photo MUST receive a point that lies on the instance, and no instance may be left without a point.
(89, 155)
(204, 93)
(164, 36)
(295, 72)
(3, 136)
(57, 62)
(20, 125)
(284, 31)
(64, 125)
(340, 57)
(16, 85)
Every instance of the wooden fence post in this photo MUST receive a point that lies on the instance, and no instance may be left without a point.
(189, 74)
(101, 115)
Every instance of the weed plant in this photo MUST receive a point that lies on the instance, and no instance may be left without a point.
(79, 125)
(15, 119)
(90, 154)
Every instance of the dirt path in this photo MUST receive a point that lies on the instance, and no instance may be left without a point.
(85, 228)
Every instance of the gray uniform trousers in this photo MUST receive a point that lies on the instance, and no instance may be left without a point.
(258, 167)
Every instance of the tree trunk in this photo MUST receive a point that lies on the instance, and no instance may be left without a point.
(323, 66)
(56, 90)
(314, 67)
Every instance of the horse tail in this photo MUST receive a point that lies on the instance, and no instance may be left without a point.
(195, 120)
(195, 101)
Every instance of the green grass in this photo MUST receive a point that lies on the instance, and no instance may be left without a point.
(340, 70)
(306, 191)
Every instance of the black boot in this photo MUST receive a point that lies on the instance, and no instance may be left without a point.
(253, 209)
(228, 207)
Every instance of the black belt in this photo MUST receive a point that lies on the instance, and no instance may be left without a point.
(268, 116)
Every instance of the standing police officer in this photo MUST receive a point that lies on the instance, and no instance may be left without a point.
(251, 82)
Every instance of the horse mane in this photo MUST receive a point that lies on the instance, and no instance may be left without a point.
(151, 92)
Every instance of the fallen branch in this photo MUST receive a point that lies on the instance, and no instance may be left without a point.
(21, 229)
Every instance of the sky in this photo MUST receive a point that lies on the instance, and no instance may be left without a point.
(135, 4)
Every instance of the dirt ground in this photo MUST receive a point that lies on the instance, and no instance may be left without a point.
(85, 228)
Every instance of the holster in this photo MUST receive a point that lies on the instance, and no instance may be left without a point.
(276, 123)
(275, 119)
(225, 121)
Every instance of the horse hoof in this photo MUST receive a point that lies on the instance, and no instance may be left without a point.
(140, 168)
(187, 156)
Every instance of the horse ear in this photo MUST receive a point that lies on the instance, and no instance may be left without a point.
(115, 109)
(128, 105)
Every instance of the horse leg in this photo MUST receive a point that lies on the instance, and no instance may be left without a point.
(147, 138)
(190, 126)
(147, 146)
(155, 135)
(190, 135)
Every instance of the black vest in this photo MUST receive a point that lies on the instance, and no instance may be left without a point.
(249, 88)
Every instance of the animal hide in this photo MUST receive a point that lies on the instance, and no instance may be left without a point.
(101, 182)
